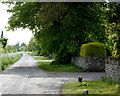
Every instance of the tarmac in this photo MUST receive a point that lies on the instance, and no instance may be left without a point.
(25, 77)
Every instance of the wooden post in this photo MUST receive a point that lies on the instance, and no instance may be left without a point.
(80, 79)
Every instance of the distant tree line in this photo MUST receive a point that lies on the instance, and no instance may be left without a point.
(4, 48)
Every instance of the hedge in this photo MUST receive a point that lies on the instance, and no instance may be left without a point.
(8, 59)
(93, 49)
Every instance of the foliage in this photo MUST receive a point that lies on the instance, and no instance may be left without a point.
(1, 49)
(3, 41)
(93, 49)
(60, 28)
(112, 25)
(115, 51)
(2, 34)
(17, 46)
(8, 59)
(24, 15)
(34, 46)
(68, 25)
(7, 49)
(23, 47)
(10, 49)
(72, 29)
(109, 81)
(4, 48)
(93, 87)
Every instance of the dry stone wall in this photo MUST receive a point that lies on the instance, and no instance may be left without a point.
(110, 65)
(92, 64)
(112, 68)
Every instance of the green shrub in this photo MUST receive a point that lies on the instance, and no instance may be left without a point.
(109, 81)
(93, 49)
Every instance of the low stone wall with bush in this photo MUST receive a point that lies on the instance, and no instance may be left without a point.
(112, 68)
(92, 64)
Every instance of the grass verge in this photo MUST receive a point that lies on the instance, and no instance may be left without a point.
(45, 65)
(93, 87)
(42, 58)
(9, 59)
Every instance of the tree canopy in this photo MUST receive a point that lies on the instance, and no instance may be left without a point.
(60, 28)
(34, 46)
(17, 46)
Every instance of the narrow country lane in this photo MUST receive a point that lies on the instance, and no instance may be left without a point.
(25, 77)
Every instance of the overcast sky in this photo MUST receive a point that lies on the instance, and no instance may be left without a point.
(18, 35)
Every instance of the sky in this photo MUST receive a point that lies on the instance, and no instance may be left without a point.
(19, 35)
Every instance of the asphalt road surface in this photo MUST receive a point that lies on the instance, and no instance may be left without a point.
(25, 77)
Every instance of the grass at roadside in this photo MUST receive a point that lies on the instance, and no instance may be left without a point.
(42, 58)
(9, 59)
(93, 87)
(45, 65)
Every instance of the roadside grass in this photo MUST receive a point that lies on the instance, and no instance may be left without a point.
(9, 59)
(42, 58)
(45, 65)
(32, 53)
(93, 87)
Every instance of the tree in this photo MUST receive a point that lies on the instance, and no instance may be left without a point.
(17, 46)
(10, 49)
(60, 28)
(23, 49)
(24, 15)
(1, 48)
(2, 34)
(24, 45)
(34, 46)
(3, 41)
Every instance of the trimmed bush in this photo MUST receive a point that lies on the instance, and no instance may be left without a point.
(93, 49)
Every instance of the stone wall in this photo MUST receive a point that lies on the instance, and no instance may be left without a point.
(112, 68)
(92, 64)
(110, 65)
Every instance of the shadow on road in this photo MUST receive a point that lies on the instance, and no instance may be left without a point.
(36, 72)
